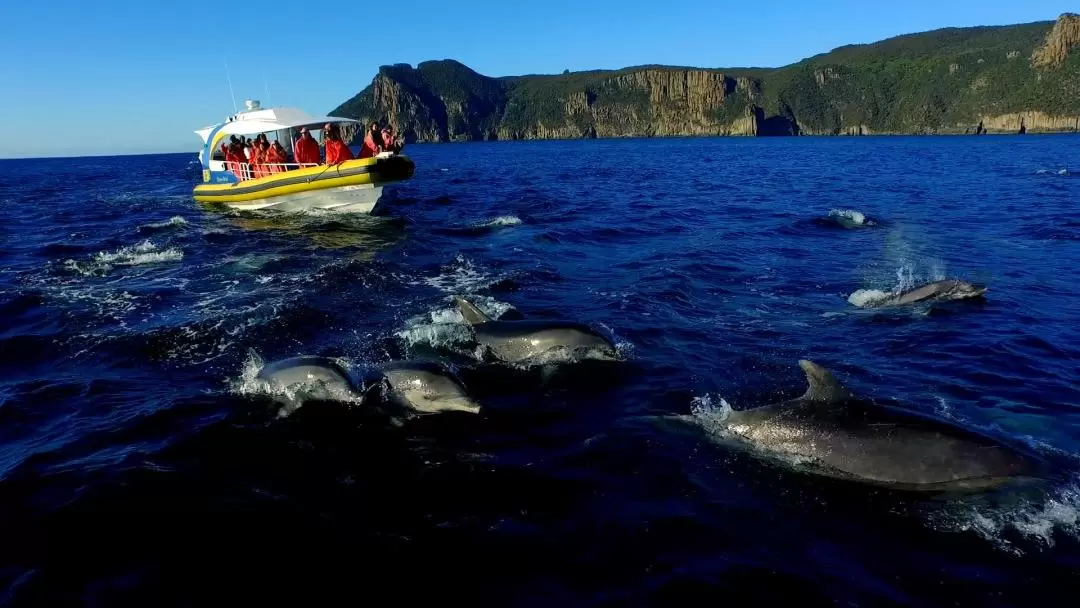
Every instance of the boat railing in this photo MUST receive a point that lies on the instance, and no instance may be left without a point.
(246, 171)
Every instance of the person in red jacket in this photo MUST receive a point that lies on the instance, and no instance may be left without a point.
(275, 157)
(306, 149)
(336, 150)
(372, 142)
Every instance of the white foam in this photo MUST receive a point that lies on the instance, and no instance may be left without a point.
(853, 217)
(141, 254)
(712, 412)
(173, 222)
(445, 327)
(1022, 526)
(502, 220)
(864, 298)
(463, 277)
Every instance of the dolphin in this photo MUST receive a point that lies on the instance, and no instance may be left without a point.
(421, 387)
(310, 377)
(841, 435)
(518, 341)
(948, 289)
(409, 388)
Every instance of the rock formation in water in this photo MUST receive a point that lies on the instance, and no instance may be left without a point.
(954, 80)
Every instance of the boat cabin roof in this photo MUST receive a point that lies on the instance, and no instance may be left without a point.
(259, 120)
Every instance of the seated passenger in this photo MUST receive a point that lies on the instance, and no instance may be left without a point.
(372, 142)
(306, 149)
(336, 150)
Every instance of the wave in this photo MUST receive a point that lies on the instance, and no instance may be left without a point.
(141, 254)
(1016, 524)
(502, 221)
(173, 222)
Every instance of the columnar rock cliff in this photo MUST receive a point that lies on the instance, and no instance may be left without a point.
(956, 80)
(1059, 42)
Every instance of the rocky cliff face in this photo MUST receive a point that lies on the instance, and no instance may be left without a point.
(1062, 39)
(425, 105)
(1033, 122)
(947, 81)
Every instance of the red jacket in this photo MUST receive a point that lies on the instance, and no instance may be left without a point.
(337, 152)
(369, 148)
(306, 151)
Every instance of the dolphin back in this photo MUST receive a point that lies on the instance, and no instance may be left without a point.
(305, 369)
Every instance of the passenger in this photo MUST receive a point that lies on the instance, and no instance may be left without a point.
(372, 142)
(390, 143)
(238, 157)
(306, 149)
(258, 158)
(275, 157)
(264, 154)
(234, 158)
(336, 150)
(387, 139)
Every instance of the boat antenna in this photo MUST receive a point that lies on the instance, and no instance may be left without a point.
(266, 89)
(229, 79)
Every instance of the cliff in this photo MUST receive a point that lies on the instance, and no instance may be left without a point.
(1059, 42)
(946, 81)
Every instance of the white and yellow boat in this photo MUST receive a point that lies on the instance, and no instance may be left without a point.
(352, 186)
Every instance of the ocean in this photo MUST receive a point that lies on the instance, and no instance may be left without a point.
(142, 464)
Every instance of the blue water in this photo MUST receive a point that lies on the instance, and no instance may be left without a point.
(140, 465)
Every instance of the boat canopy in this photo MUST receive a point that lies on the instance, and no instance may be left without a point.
(257, 120)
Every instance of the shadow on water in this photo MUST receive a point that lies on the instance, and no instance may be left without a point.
(327, 230)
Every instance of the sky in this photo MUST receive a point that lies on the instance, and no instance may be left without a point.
(91, 77)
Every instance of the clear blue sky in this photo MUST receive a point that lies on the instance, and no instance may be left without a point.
(86, 77)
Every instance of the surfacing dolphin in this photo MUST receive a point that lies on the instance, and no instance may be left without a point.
(519, 341)
(422, 387)
(840, 435)
(938, 291)
(408, 388)
(298, 379)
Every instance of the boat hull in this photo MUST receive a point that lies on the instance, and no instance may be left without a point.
(353, 186)
(346, 199)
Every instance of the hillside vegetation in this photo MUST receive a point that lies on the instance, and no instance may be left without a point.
(953, 80)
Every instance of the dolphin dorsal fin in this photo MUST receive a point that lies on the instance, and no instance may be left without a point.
(472, 314)
(823, 387)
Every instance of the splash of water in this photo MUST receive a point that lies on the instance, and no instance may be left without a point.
(848, 217)
(143, 253)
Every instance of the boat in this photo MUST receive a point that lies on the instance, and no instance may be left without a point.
(352, 186)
